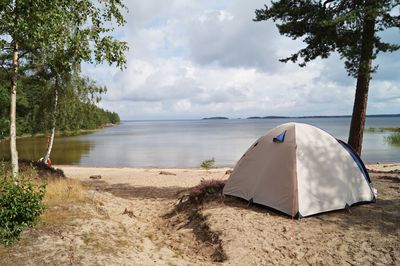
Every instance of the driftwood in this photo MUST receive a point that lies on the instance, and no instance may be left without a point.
(166, 173)
(95, 177)
(129, 213)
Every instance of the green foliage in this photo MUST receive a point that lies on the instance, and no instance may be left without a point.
(113, 117)
(62, 31)
(334, 26)
(394, 139)
(20, 206)
(382, 129)
(4, 127)
(4, 110)
(208, 164)
(77, 106)
(54, 37)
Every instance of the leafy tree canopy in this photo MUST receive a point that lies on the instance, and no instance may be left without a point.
(76, 29)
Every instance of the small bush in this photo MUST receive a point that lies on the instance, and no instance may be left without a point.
(394, 139)
(20, 206)
(207, 164)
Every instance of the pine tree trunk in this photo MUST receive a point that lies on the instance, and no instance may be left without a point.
(53, 126)
(13, 110)
(363, 78)
(359, 113)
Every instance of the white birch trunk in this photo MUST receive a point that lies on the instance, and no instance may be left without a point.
(53, 127)
(13, 112)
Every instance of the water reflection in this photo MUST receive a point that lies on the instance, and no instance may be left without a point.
(188, 143)
(66, 150)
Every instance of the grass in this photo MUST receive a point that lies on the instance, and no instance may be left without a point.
(60, 194)
(394, 139)
(64, 190)
(382, 129)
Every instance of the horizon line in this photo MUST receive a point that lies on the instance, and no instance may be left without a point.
(259, 117)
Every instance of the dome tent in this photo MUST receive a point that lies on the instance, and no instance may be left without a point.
(300, 170)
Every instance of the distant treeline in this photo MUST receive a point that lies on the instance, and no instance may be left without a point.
(215, 118)
(76, 110)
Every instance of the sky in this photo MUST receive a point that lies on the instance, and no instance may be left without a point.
(195, 59)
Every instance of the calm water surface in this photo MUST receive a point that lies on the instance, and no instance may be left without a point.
(188, 143)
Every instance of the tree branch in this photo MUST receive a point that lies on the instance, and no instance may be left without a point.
(327, 2)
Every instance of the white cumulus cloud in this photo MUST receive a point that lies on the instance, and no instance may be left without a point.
(190, 59)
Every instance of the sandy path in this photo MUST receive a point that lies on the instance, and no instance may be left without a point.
(148, 196)
(256, 236)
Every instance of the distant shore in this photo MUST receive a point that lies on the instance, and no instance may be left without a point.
(215, 118)
(318, 116)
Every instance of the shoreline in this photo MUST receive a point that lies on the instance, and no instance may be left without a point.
(146, 177)
(63, 133)
(149, 167)
(226, 167)
(172, 177)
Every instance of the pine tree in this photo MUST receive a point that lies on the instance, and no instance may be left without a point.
(348, 27)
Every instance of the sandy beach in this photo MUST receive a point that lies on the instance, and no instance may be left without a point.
(129, 218)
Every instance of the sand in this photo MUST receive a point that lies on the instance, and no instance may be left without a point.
(146, 177)
(130, 219)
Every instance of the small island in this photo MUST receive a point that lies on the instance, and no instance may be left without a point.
(214, 118)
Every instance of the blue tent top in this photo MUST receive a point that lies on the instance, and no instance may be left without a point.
(280, 137)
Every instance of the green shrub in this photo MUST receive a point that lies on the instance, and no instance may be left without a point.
(20, 206)
(382, 129)
(207, 164)
(394, 139)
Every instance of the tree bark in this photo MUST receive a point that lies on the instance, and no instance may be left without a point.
(53, 126)
(363, 78)
(13, 111)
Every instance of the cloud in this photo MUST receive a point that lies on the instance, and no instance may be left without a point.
(191, 59)
(230, 38)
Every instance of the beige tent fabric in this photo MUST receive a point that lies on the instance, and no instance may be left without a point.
(328, 177)
(309, 173)
(266, 171)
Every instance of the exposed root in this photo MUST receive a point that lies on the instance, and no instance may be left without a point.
(37, 169)
(186, 216)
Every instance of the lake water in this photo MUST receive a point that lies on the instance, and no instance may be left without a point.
(186, 143)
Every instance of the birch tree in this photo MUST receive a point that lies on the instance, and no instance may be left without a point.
(29, 26)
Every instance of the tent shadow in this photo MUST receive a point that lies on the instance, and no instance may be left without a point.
(382, 216)
(239, 203)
